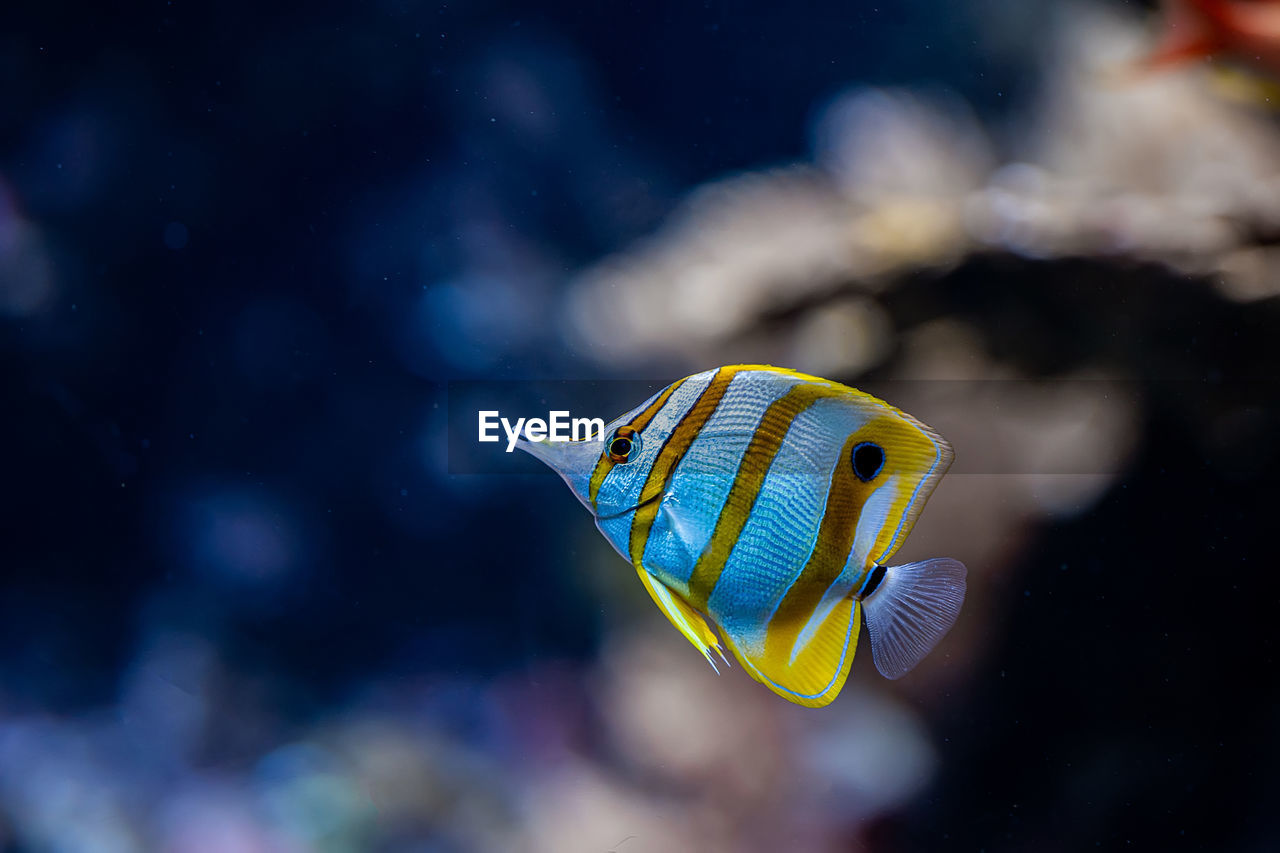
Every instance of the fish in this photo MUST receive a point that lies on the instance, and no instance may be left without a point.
(1244, 30)
(759, 507)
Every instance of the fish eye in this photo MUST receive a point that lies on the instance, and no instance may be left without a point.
(625, 440)
(868, 460)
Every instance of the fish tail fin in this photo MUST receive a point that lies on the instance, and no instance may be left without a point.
(911, 610)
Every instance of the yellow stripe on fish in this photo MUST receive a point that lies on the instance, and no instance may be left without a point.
(764, 502)
(764, 446)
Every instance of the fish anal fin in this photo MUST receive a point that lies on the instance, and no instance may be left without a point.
(689, 622)
(812, 673)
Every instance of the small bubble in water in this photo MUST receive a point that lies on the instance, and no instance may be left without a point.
(175, 235)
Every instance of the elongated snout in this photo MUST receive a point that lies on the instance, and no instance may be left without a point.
(572, 460)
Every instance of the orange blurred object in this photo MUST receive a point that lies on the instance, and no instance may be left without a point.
(1246, 30)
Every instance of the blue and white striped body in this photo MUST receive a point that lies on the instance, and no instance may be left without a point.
(762, 499)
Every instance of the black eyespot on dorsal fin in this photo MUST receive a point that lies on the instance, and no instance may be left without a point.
(867, 459)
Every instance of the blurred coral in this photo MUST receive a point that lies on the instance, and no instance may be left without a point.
(1158, 169)
(669, 774)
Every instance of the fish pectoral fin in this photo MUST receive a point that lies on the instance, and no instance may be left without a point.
(914, 606)
(687, 621)
(803, 662)
(676, 519)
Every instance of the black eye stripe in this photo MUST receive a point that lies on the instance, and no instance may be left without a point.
(625, 442)
(867, 460)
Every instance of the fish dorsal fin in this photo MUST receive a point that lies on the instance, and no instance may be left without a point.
(686, 620)
(805, 662)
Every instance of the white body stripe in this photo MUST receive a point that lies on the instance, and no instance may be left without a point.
(701, 482)
(783, 526)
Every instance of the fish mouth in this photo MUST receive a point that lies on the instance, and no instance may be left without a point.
(621, 513)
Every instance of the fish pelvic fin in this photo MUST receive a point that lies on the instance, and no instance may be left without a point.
(689, 622)
(912, 609)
